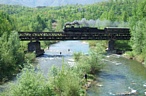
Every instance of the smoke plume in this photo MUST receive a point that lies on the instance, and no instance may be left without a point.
(99, 23)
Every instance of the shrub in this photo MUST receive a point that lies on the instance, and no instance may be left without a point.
(77, 56)
(129, 54)
(11, 55)
(95, 62)
(30, 83)
(65, 82)
(91, 63)
(30, 57)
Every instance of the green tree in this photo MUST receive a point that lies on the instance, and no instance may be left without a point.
(39, 24)
(111, 14)
(124, 16)
(6, 23)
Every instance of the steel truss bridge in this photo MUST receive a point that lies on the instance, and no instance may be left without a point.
(29, 36)
(110, 34)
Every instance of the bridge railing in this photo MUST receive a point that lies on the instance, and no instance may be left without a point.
(107, 33)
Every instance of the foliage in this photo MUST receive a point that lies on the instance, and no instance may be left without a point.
(30, 57)
(11, 56)
(103, 14)
(129, 55)
(91, 63)
(138, 29)
(61, 82)
(52, 19)
(77, 56)
(6, 23)
(65, 82)
(123, 45)
(30, 83)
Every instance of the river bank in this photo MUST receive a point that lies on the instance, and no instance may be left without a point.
(117, 75)
(120, 76)
(139, 58)
(51, 58)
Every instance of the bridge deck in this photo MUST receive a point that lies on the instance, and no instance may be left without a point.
(25, 36)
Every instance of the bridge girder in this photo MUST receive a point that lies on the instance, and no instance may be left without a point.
(25, 36)
(110, 34)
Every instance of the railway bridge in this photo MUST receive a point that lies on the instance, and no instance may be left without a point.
(110, 34)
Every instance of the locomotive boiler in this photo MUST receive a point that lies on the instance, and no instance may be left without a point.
(76, 28)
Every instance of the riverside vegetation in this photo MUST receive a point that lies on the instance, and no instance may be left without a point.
(64, 81)
(121, 13)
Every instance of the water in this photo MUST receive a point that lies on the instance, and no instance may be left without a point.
(60, 53)
(118, 75)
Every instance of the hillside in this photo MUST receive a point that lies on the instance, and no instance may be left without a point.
(34, 3)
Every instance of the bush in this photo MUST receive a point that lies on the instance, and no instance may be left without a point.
(92, 63)
(77, 56)
(95, 63)
(129, 54)
(30, 57)
(83, 66)
(30, 83)
(11, 55)
(65, 82)
(61, 82)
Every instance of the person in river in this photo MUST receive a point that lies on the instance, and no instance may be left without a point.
(60, 53)
(85, 77)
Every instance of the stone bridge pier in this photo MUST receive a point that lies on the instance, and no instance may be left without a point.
(35, 47)
(111, 44)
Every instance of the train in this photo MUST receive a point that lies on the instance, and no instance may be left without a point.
(75, 28)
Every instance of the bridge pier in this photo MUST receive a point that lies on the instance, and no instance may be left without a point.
(35, 47)
(111, 44)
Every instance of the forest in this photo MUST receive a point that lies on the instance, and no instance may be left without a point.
(113, 13)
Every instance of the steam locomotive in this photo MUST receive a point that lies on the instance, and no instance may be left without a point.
(75, 27)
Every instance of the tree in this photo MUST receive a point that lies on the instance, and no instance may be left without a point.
(39, 24)
(11, 56)
(124, 16)
(6, 24)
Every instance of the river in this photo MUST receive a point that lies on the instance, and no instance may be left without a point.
(60, 53)
(118, 76)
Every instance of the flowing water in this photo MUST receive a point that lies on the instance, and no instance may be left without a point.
(60, 53)
(119, 75)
